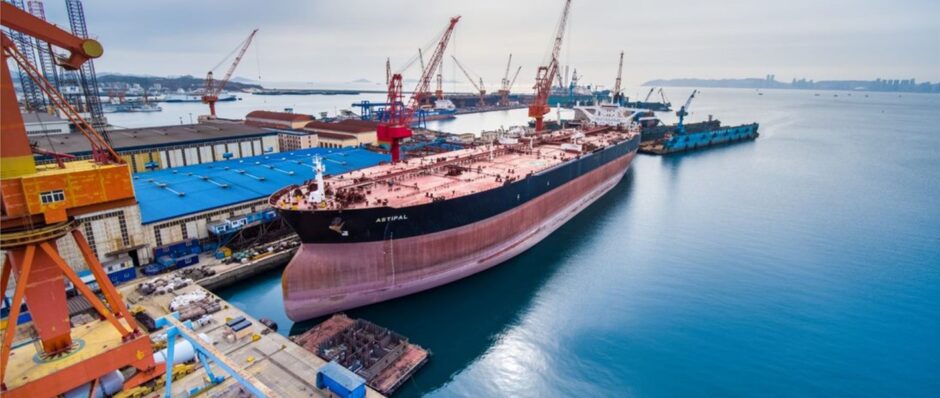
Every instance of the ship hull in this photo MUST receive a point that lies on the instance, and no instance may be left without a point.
(330, 276)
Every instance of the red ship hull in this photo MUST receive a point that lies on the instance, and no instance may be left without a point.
(324, 278)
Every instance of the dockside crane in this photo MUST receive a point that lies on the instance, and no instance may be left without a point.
(507, 83)
(473, 81)
(214, 87)
(40, 206)
(662, 94)
(649, 94)
(683, 112)
(618, 96)
(545, 75)
(396, 120)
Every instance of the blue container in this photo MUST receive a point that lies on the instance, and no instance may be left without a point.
(341, 381)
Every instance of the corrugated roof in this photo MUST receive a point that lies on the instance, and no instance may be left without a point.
(130, 139)
(219, 184)
(342, 127)
(285, 116)
(338, 136)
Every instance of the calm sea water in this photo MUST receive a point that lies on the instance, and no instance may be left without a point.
(806, 263)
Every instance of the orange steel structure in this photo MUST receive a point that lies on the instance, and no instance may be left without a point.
(545, 75)
(213, 88)
(38, 206)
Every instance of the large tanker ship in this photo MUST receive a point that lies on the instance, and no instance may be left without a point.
(395, 229)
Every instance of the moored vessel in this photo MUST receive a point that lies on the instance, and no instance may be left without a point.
(396, 229)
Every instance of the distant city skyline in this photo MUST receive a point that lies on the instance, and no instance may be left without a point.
(345, 41)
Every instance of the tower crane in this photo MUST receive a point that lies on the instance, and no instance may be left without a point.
(479, 86)
(545, 75)
(618, 96)
(214, 87)
(683, 112)
(396, 120)
(39, 206)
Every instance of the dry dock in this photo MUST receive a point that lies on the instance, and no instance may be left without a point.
(285, 368)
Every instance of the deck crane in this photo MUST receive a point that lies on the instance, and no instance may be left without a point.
(545, 75)
(647, 99)
(396, 120)
(39, 206)
(214, 87)
(479, 86)
(618, 96)
(683, 112)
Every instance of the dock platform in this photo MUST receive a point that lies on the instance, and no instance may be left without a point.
(279, 364)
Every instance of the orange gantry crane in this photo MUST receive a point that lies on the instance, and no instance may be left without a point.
(39, 205)
(214, 87)
(396, 120)
(545, 75)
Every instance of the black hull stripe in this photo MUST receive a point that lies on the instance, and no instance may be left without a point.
(374, 224)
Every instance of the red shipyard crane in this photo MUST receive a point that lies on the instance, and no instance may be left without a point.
(506, 85)
(214, 87)
(396, 121)
(545, 75)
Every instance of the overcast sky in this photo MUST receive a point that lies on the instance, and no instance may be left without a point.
(337, 41)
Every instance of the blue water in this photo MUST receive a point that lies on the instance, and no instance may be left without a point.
(806, 263)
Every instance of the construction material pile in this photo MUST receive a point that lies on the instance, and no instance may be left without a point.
(196, 273)
(195, 305)
(163, 285)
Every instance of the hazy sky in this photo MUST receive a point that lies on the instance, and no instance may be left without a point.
(336, 41)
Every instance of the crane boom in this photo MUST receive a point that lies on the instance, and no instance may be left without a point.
(683, 112)
(504, 85)
(545, 75)
(513, 81)
(649, 94)
(618, 97)
(396, 120)
(479, 86)
(213, 88)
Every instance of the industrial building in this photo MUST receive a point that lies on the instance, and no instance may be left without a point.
(292, 140)
(278, 120)
(39, 124)
(153, 148)
(344, 133)
(179, 203)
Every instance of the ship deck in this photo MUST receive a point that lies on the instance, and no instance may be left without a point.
(447, 175)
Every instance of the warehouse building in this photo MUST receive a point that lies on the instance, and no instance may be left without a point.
(181, 203)
(292, 140)
(344, 133)
(40, 124)
(278, 120)
(155, 148)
